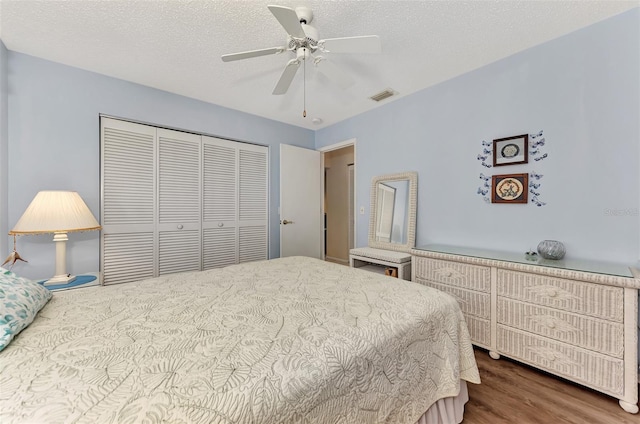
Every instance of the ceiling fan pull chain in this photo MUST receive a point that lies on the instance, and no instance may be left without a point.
(304, 87)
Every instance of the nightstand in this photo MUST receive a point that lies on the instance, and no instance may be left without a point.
(82, 280)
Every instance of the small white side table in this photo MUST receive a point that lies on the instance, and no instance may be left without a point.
(377, 260)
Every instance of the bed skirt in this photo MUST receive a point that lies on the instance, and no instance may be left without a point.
(448, 410)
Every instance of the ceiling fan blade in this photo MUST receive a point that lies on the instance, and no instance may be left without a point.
(287, 76)
(289, 20)
(333, 72)
(362, 44)
(252, 53)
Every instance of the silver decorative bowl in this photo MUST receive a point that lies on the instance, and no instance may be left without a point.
(551, 249)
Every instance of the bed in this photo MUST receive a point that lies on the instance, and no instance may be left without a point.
(290, 340)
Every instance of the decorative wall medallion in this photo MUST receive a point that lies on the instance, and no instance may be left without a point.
(511, 150)
(509, 188)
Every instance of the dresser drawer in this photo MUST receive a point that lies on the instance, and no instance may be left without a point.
(471, 302)
(590, 333)
(472, 277)
(602, 372)
(590, 299)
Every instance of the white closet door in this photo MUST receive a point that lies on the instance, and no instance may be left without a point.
(253, 203)
(219, 202)
(175, 202)
(128, 201)
(179, 202)
(235, 202)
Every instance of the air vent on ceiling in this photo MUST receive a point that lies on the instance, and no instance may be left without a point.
(384, 94)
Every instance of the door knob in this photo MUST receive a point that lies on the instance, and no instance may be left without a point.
(285, 222)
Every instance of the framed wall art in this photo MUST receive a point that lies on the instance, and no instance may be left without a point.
(509, 188)
(511, 150)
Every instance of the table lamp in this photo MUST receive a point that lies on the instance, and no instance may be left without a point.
(57, 212)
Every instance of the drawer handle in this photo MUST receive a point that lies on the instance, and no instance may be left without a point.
(446, 272)
(554, 323)
(550, 354)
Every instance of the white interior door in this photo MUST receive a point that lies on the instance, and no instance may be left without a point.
(300, 202)
(352, 206)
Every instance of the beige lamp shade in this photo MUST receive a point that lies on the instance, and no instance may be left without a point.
(56, 211)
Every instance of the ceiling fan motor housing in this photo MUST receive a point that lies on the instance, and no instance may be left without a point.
(304, 14)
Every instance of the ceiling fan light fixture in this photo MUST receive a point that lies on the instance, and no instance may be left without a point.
(384, 94)
(303, 41)
(302, 53)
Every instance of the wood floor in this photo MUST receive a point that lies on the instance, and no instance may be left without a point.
(514, 393)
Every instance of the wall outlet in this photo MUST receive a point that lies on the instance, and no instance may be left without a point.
(361, 210)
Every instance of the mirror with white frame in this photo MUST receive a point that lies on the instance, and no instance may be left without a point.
(392, 225)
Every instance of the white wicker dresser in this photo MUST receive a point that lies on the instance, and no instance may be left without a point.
(574, 319)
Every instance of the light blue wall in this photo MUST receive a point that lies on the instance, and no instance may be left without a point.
(4, 152)
(582, 89)
(54, 144)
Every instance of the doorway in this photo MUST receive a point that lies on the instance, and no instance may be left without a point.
(339, 201)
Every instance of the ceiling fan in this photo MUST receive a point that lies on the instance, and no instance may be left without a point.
(303, 42)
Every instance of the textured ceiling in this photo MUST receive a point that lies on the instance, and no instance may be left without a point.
(176, 45)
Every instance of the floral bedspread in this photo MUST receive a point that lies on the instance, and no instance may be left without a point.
(291, 340)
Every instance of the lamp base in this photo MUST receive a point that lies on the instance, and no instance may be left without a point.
(60, 279)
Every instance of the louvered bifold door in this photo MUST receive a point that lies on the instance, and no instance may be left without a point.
(128, 201)
(179, 202)
(253, 202)
(219, 202)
